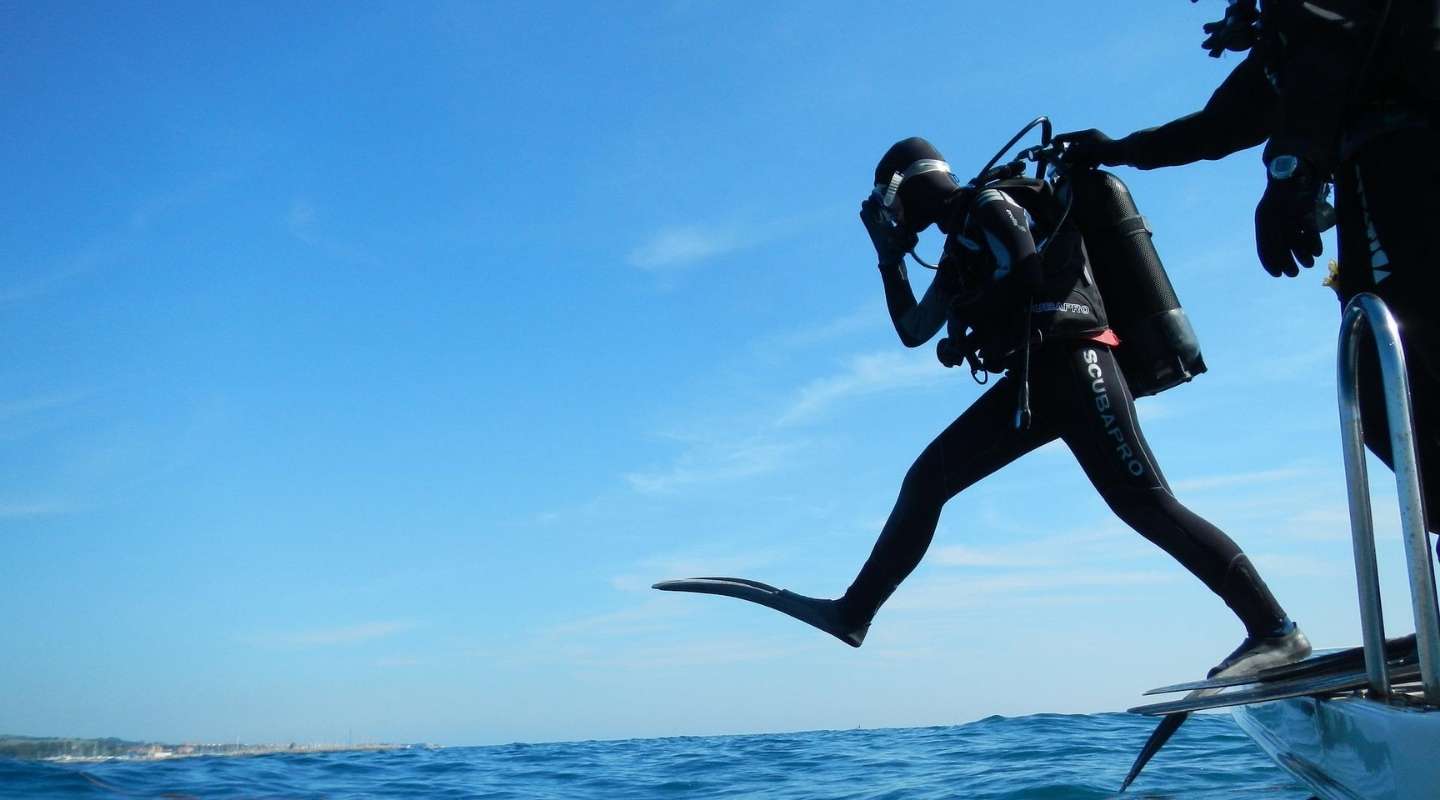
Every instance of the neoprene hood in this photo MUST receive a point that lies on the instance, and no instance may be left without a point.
(924, 181)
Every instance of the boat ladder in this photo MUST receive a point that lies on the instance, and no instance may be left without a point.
(1368, 311)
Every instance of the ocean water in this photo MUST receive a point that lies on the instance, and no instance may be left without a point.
(1043, 757)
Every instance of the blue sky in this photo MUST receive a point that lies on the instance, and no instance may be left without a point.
(362, 365)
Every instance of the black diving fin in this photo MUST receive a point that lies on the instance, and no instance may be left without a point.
(1335, 672)
(1400, 671)
(1342, 661)
(822, 614)
(1159, 737)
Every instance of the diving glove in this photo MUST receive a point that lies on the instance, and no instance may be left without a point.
(1089, 148)
(1290, 217)
(891, 241)
(950, 353)
(1236, 32)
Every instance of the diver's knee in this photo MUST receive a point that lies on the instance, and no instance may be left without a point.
(1139, 508)
(923, 482)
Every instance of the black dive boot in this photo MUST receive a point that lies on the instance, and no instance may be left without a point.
(1285, 646)
(827, 615)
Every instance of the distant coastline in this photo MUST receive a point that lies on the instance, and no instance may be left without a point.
(64, 749)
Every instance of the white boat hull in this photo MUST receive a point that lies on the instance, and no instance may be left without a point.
(1350, 748)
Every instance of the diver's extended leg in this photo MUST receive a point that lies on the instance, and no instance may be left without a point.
(979, 442)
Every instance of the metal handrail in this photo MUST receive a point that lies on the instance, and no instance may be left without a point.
(1369, 310)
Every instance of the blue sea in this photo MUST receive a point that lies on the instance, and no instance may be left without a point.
(1043, 757)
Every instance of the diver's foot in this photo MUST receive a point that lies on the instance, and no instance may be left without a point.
(827, 615)
(1263, 652)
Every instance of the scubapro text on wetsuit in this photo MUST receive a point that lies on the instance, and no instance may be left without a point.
(1102, 404)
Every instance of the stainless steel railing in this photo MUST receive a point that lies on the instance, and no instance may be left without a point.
(1369, 310)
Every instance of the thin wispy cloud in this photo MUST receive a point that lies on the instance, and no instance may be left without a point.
(165, 203)
(652, 616)
(1151, 410)
(675, 248)
(109, 248)
(682, 247)
(1321, 522)
(766, 448)
(1298, 364)
(686, 566)
(38, 403)
(950, 593)
(715, 462)
(303, 220)
(963, 556)
(330, 637)
(1240, 479)
(868, 318)
(1109, 545)
(1291, 565)
(10, 510)
(38, 283)
(708, 652)
(865, 374)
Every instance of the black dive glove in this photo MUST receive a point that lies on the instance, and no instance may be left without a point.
(1089, 148)
(949, 353)
(891, 241)
(1236, 32)
(1291, 215)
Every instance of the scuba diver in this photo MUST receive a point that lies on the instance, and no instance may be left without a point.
(1015, 291)
(1345, 92)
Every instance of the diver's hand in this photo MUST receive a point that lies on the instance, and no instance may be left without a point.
(891, 241)
(949, 354)
(1289, 219)
(1089, 148)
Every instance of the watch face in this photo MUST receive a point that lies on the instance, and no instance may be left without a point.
(1282, 167)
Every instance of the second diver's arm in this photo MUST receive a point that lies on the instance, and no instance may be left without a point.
(1416, 46)
(1239, 115)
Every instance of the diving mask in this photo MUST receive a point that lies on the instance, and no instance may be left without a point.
(887, 195)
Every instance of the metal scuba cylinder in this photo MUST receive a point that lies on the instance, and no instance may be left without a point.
(1158, 347)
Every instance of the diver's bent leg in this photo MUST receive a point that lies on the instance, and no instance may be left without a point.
(1105, 436)
(982, 440)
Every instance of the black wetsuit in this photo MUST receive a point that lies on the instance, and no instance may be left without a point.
(1078, 395)
(1356, 93)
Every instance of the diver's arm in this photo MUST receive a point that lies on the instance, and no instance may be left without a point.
(915, 322)
(1005, 227)
(1415, 28)
(1324, 61)
(1239, 115)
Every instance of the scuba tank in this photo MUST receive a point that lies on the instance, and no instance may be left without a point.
(1158, 348)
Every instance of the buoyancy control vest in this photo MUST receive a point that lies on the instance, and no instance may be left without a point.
(1158, 347)
(1066, 305)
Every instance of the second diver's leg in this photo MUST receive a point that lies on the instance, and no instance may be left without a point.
(982, 440)
(1386, 248)
(1104, 434)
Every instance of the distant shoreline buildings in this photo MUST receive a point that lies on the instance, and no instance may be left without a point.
(36, 748)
